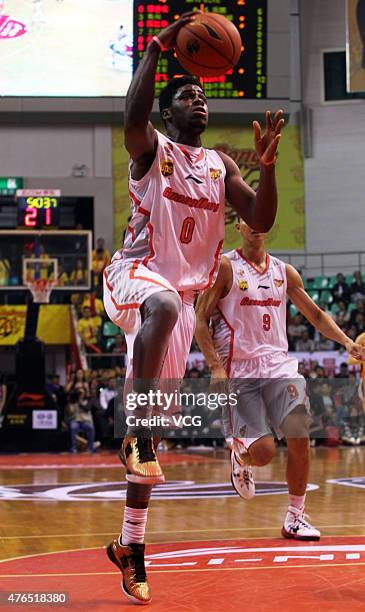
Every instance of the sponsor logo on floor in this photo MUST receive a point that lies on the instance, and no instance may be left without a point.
(116, 491)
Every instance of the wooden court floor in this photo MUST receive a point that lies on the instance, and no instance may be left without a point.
(207, 548)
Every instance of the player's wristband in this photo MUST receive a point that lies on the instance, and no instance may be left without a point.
(159, 43)
(268, 164)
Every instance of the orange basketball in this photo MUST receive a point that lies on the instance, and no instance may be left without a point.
(209, 46)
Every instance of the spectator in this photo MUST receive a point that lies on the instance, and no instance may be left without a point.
(94, 303)
(324, 344)
(76, 382)
(344, 371)
(360, 322)
(341, 289)
(62, 277)
(305, 344)
(80, 419)
(119, 346)
(295, 331)
(100, 259)
(3, 393)
(58, 393)
(88, 326)
(360, 309)
(108, 393)
(357, 289)
(79, 276)
(342, 313)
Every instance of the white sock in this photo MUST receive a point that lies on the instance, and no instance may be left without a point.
(297, 501)
(134, 526)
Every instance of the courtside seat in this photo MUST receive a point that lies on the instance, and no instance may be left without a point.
(314, 295)
(110, 330)
(326, 296)
(320, 282)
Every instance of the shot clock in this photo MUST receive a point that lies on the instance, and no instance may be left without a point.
(38, 208)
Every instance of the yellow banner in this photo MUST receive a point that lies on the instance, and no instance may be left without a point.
(356, 45)
(289, 230)
(54, 324)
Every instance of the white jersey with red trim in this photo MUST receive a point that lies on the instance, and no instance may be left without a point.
(177, 225)
(251, 320)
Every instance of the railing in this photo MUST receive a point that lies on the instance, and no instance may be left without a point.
(315, 264)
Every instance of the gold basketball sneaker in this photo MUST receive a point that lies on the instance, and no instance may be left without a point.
(139, 457)
(130, 560)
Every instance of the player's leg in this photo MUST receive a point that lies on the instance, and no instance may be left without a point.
(128, 551)
(288, 410)
(252, 441)
(159, 314)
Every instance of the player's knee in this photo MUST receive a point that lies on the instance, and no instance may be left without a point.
(164, 308)
(296, 424)
(262, 451)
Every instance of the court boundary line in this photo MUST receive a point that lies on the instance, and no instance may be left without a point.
(179, 571)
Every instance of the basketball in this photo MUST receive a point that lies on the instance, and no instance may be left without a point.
(209, 46)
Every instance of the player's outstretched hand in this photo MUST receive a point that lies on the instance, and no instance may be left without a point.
(355, 350)
(167, 36)
(266, 142)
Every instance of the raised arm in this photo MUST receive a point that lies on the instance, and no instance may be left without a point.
(139, 134)
(257, 209)
(317, 317)
(205, 307)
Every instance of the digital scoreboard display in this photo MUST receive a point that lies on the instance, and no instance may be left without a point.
(38, 209)
(247, 79)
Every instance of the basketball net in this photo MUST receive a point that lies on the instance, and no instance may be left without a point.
(41, 289)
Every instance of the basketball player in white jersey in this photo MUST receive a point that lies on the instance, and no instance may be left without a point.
(171, 251)
(247, 343)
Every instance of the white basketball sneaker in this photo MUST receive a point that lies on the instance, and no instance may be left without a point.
(297, 527)
(241, 477)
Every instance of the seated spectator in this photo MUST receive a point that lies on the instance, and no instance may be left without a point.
(108, 393)
(360, 309)
(119, 346)
(295, 331)
(100, 259)
(360, 323)
(80, 419)
(342, 313)
(3, 394)
(77, 381)
(62, 277)
(357, 289)
(341, 289)
(100, 256)
(324, 344)
(79, 276)
(344, 371)
(88, 326)
(58, 393)
(305, 344)
(94, 303)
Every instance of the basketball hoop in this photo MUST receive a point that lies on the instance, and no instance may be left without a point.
(41, 289)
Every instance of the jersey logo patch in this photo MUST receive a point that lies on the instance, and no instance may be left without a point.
(242, 284)
(278, 282)
(215, 173)
(167, 167)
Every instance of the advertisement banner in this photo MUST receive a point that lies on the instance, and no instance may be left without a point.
(355, 48)
(288, 233)
(54, 325)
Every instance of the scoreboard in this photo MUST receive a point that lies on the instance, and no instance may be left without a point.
(248, 79)
(38, 208)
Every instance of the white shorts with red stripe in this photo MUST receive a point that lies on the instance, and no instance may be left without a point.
(127, 285)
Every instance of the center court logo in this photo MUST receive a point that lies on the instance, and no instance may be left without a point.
(116, 491)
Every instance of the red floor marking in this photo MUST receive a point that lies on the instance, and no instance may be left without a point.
(263, 574)
(47, 460)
